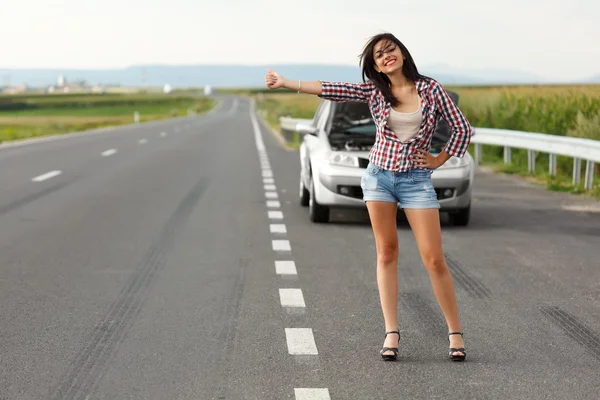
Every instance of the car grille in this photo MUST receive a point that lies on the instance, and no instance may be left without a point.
(363, 162)
(350, 191)
(357, 193)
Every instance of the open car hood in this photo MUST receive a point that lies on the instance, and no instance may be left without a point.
(352, 123)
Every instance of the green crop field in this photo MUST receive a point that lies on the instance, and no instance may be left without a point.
(24, 116)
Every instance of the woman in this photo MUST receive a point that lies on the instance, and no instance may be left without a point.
(405, 106)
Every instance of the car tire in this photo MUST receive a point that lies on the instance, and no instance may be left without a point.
(317, 212)
(462, 217)
(304, 194)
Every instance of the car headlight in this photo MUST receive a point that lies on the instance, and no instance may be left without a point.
(342, 159)
(456, 162)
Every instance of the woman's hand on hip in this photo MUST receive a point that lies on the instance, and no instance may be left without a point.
(424, 159)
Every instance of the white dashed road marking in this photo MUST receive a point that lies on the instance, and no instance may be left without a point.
(300, 341)
(278, 228)
(46, 176)
(291, 298)
(285, 268)
(275, 215)
(311, 394)
(143, 141)
(281, 245)
(164, 134)
(109, 152)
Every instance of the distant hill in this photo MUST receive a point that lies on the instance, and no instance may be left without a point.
(248, 76)
(595, 78)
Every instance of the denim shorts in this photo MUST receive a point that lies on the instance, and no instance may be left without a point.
(412, 189)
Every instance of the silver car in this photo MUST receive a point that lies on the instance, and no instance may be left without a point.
(333, 160)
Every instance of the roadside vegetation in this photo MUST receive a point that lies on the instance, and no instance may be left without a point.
(26, 116)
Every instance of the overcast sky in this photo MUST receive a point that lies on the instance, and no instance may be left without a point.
(556, 39)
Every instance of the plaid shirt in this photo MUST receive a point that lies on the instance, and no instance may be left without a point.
(389, 152)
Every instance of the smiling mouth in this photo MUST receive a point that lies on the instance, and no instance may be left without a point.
(389, 62)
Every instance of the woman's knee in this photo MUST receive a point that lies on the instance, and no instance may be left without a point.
(387, 253)
(435, 264)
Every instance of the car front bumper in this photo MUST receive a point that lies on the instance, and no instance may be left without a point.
(340, 187)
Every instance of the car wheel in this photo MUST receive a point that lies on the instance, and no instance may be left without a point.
(304, 194)
(317, 212)
(461, 218)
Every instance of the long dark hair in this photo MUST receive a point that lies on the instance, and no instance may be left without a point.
(409, 68)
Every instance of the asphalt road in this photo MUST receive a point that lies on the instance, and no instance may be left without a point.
(156, 262)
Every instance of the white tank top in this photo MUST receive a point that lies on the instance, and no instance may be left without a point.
(405, 125)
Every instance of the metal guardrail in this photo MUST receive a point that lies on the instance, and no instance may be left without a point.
(579, 149)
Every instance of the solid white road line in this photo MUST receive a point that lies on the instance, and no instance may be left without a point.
(275, 215)
(291, 298)
(278, 228)
(46, 176)
(260, 144)
(311, 394)
(109, 152)
(281, 245)
(270, 187)
(285, 268)
(273, 204)
(271, 195)
(300, 341)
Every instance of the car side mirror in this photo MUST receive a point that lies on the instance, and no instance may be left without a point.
(304, 129)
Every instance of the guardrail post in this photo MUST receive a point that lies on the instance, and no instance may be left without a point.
(553, 165)
(589, 174)
(507, 159)
(531, 161)
(136, 117)
(478, 153)
(576, 171)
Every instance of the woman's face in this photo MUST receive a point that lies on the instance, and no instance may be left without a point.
(388, 57)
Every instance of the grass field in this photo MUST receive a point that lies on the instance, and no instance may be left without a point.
(25, 116)
(558, 110)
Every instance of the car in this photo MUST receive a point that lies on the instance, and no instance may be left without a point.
(334, 153)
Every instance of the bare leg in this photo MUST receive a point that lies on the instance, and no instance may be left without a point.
(425, 225)
(383, 221)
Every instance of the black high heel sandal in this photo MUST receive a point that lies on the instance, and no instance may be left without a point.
(390, 357)
(452, 350)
